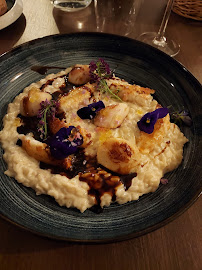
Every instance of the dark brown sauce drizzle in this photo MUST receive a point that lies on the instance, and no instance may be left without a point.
(64, 89)
(99, 179)
(25, 103)
(67, 86)
(43, 69)
(29, 124)
(49, 82)
(78, 165)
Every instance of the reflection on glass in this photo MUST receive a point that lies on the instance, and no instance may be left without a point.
(116, 16)
(159, 40)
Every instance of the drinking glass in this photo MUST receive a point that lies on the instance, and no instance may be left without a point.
(71, 5)
(158, 39)
(116, 16)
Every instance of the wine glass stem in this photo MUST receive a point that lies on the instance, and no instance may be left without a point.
(162, 29)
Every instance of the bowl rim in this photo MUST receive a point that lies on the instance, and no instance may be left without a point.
(11, 15)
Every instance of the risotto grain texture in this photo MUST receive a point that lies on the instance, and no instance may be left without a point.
(113, 147)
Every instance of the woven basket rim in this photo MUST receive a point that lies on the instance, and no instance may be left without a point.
(191, 9)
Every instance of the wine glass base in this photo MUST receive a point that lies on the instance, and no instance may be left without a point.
(166, 45)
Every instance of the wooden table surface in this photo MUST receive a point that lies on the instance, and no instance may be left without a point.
(177, 245)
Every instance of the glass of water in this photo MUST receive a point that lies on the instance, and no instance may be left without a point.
(71, 5)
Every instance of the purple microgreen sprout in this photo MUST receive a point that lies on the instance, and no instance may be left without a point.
(182, 117)
(99, 72)
(65, 142)
(47, 110)
(148, 121)
(89, 112)
(164, 181)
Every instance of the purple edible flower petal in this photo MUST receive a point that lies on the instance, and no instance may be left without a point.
(187, 120)
(65, 142)
(162, 112)
(148, 121)
(185, 117)
(164, 181)
(182, 117)
(90, 111)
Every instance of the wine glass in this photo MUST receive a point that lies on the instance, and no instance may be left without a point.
(159, 40)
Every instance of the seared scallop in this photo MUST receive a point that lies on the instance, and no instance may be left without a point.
(112, 116)
(130, 93)
(118, 155)
(41, 152)
(147, 142)
(30, 104)
(77, 98)
(79, 74)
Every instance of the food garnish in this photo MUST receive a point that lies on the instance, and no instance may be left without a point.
(47, 110)
(164, 181)
(182, 117)
(65, 142)
(148, 121)
(89, 112)
(83, 163)
(99, 72)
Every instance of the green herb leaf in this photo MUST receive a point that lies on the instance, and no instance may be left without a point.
(47, 110)
(104, 88)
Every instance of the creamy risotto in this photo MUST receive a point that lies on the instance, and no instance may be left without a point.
(89, 140)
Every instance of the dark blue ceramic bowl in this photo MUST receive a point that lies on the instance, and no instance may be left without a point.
(135, 62)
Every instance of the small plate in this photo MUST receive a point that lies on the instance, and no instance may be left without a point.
(135, 62)
(14, 11)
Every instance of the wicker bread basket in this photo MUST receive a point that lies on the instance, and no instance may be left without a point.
(188, 8)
